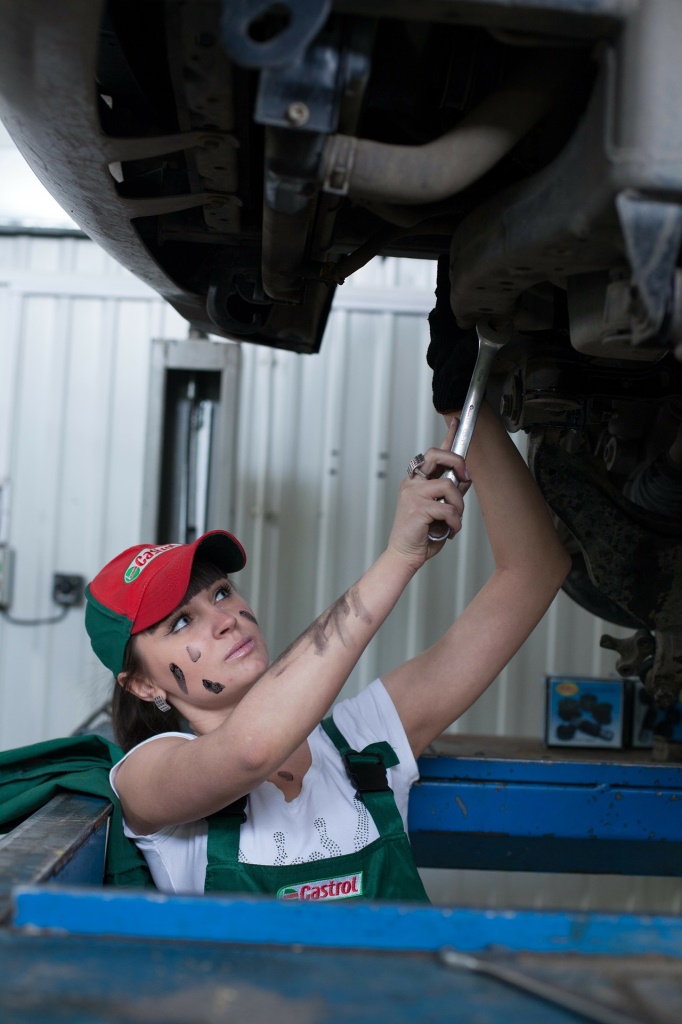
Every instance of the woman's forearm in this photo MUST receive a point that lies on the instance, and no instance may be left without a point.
(297, 690)
(518, 522)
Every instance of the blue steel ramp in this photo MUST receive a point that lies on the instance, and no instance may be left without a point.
(73, 951)
(492, 802)
(101, 955)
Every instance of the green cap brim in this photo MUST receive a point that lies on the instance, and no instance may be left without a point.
(109, 633)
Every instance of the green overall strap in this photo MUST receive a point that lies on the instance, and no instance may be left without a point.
(366, 770)
(231, 818)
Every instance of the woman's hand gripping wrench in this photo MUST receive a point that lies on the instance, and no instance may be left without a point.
(490, 341)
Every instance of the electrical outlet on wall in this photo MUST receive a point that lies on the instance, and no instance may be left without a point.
(67, 589)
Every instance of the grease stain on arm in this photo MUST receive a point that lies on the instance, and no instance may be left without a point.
(331, 623)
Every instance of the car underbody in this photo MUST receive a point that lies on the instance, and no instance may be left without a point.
(245, 157)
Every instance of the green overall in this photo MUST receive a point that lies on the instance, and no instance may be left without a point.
(384, 869)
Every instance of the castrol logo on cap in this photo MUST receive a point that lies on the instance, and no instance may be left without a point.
(342, 888)
(142, 560)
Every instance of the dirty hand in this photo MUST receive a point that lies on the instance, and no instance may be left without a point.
(418, 505)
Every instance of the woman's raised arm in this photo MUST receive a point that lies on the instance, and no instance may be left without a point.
(433, 689)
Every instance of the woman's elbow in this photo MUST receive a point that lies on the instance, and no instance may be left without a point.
(545, 571)
(554, 570)
(254, 760)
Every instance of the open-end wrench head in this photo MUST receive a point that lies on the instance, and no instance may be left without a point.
(491, 338)
(497, 334)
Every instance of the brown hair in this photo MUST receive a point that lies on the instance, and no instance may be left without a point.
(134, 719)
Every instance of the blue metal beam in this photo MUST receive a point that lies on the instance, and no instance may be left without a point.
(545, 815)
(371, 925)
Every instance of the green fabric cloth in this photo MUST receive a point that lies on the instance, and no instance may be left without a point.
(31, 776)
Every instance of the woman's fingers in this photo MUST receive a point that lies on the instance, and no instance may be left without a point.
(426, 506)
(449, 438)
(446, 522)
(438, 460)
(430, 501)
(442, 499)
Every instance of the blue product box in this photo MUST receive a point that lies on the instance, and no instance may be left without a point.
(649, 721)
(585, 712)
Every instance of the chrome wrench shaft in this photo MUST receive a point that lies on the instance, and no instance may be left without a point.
(490, 341)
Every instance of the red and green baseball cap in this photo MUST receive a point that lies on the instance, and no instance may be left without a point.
(146, 583)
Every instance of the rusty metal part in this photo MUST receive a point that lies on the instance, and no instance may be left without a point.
(553, 383)
(664, 678)
(365, 169)
(633, 651)
(633, 557)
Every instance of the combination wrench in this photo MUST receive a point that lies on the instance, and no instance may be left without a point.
(490, 341)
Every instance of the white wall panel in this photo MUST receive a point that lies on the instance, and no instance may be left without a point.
(322, 445)
(74, 370)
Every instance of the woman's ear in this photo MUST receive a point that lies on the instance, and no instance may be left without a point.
(139, 685)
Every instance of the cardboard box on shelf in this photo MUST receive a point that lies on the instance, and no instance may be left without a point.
(585, 712)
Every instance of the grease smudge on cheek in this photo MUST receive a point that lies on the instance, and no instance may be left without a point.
(179, 676)
(194, 654)
(249, 616)
(213, 687)
(286, 775)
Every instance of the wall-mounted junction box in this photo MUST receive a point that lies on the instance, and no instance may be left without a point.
(67, 589)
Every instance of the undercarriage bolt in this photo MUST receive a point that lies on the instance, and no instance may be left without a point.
(298, 114)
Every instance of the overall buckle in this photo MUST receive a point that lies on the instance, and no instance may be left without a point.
(367, 773)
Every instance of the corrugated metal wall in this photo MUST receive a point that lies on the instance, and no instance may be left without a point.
(322, 443)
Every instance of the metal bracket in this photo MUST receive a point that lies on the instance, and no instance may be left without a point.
(652, 233)
(339, 160)
(259, 34)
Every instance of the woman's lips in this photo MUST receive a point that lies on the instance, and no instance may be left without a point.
(240, 649)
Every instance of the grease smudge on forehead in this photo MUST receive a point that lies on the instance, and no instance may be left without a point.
(194, 654)
(213, 687)
(179, 676)
(249, 616)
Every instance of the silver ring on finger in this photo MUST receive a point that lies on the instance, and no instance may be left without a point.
(413, 466)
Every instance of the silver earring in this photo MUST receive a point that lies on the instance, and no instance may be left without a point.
(161, 704)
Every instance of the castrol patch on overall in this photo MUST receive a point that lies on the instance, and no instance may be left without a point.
(342, 888)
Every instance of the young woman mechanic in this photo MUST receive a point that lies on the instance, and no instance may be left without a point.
(257, 797)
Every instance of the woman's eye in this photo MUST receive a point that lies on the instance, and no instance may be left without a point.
(222, 592)
(179, 623)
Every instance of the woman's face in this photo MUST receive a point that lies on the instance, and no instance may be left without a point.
(207, 653)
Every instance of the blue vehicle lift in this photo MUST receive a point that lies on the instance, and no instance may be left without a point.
(75, 951)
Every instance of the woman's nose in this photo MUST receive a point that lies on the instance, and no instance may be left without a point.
(224, 619)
